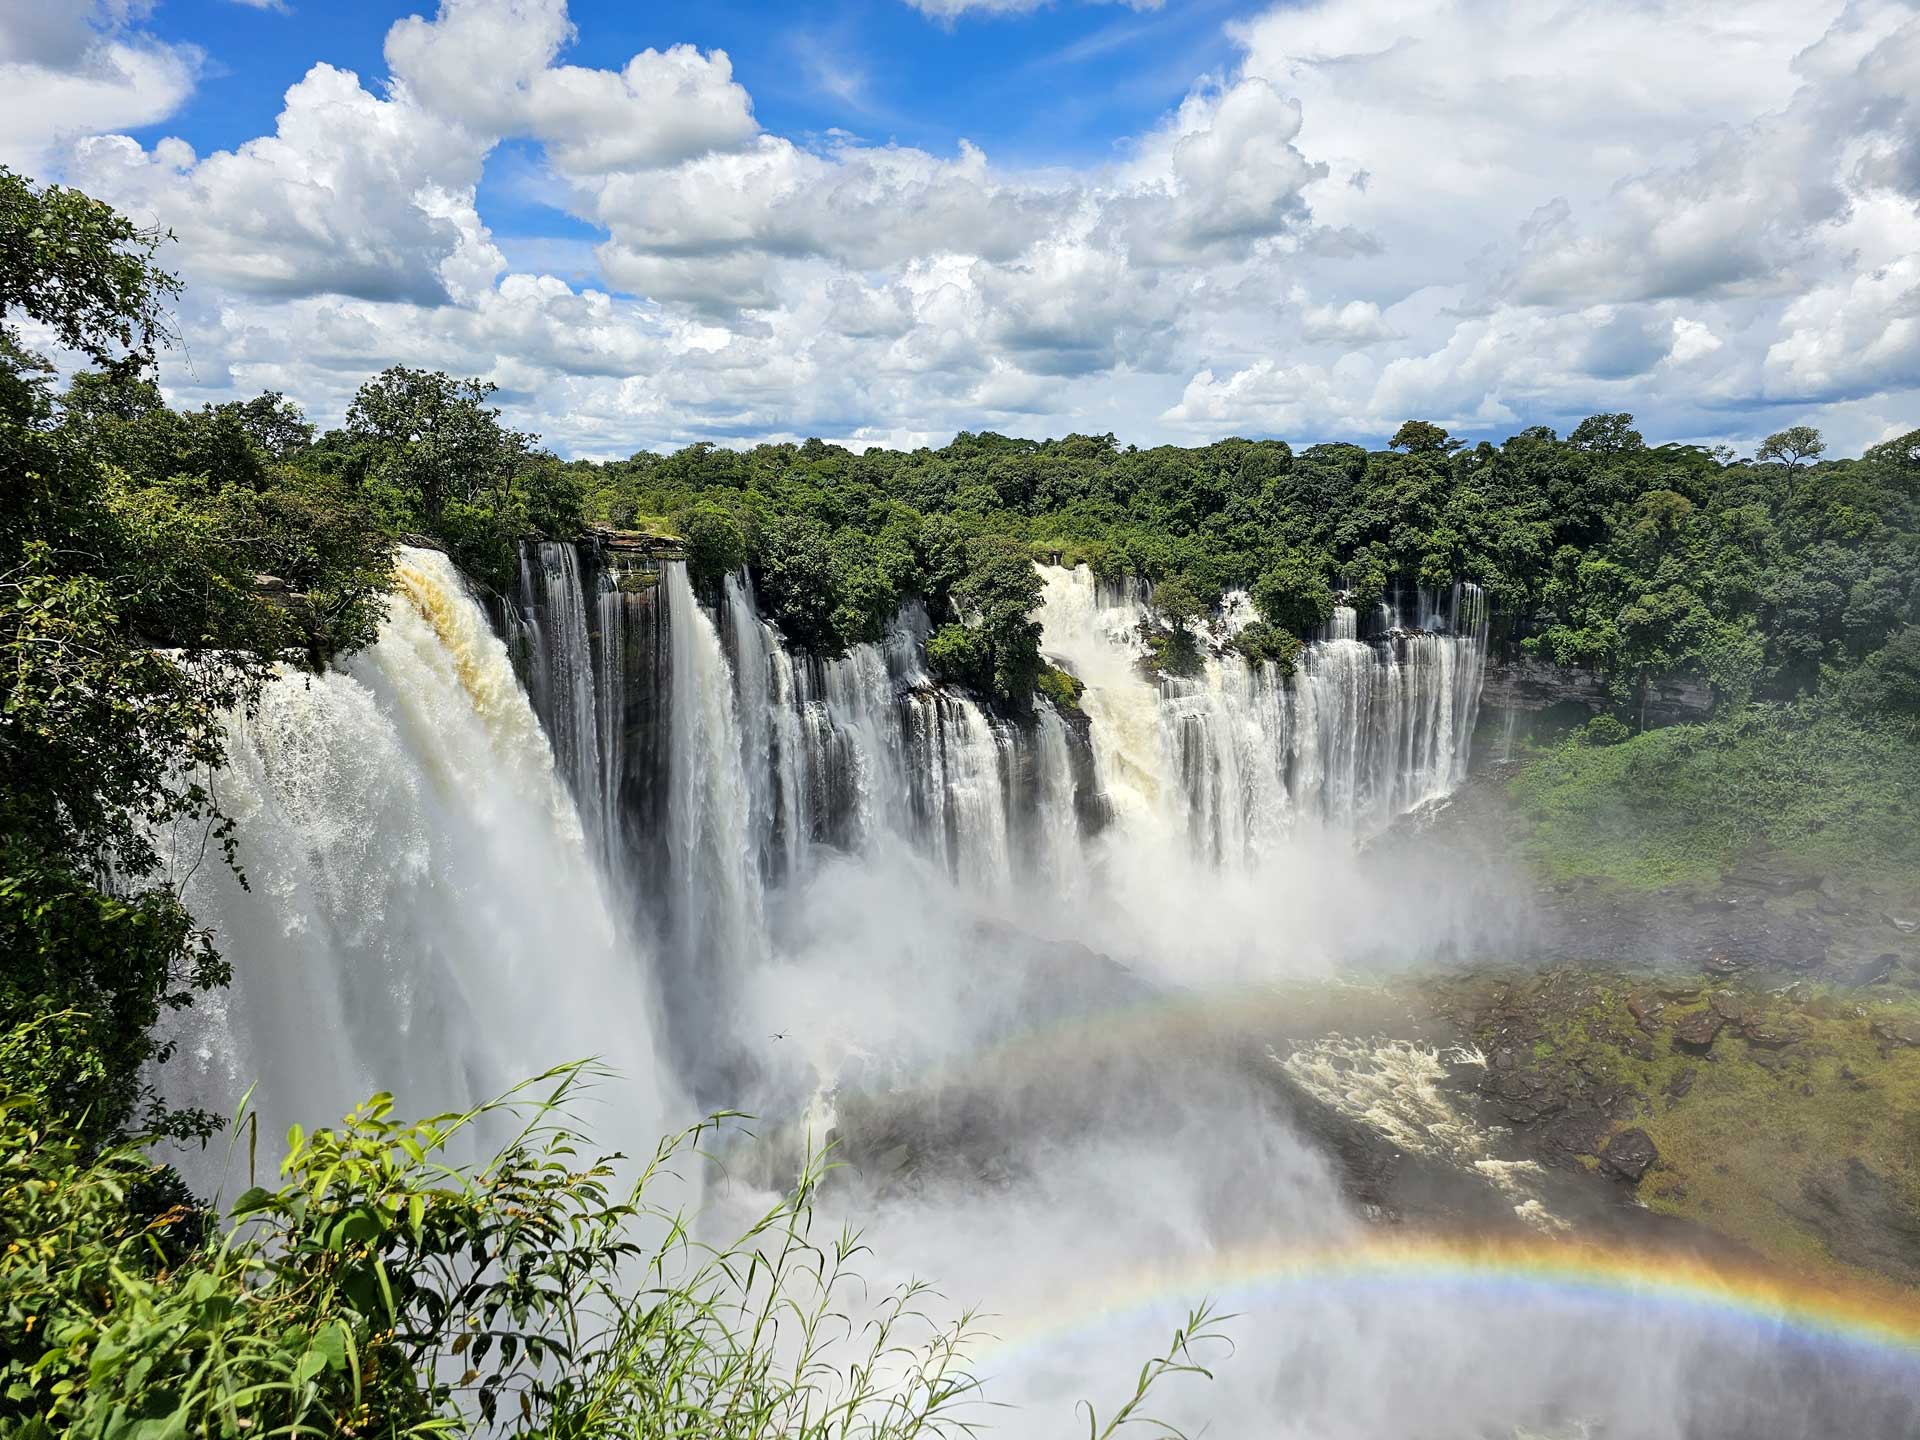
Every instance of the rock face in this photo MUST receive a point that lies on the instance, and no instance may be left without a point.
(1630, 1154)
(1523, 683)
(1862, 1216)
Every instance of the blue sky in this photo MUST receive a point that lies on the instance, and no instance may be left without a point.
(885, 220)
(1055, 86)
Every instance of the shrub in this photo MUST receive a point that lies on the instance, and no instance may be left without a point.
(383, 1288)
(1605, 730)
(1060, 688)
(1264, 644)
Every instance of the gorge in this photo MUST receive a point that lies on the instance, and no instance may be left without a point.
(1033, 975)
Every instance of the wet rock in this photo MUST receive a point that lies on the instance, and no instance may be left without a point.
(1722, 964)
(1774, 882)
(1892, 1033)
(1697, 1032)
(1645, 1010)
(1772, 1034)
(1638, 1046)
(1630, 1154)
(1577, 1134)
(1903, 925)
(1871, 972)
(1681, 1082)
(1728, 1006)
(1863, 1218)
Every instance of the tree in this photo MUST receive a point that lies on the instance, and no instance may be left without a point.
(1423, 437)
(429, 440)
(1792, 446)
(1607, 435)
(1293, 594)
(273, 422)
(1888, 683)
(76, 266)
(106, 742)
(996, 597)
(716, 546)
(1178, 603)
(130, 633)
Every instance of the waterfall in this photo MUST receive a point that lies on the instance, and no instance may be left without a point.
(423, 914)
(1239, 757)
(713, 899)
(550, 610)
(1094, 630)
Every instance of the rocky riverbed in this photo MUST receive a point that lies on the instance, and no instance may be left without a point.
(1741, 1059)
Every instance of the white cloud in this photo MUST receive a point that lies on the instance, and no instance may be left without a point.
(351, 194)
(950, 10)
(70, 69)
(1483, 212)
(1358, 322)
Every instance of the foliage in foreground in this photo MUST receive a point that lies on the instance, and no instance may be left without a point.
(384, 1287)
(1682, 804)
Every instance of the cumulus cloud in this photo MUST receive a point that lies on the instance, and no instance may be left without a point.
(1482, 212)
(71, 69)
(352, 195)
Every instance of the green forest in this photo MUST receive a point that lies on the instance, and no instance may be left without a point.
(158, 566)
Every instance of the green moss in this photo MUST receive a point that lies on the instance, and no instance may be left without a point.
(1062, 689)
(1739, 1149)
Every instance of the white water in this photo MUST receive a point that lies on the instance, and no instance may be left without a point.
(551, 622)
(424, 914)
(861, 752)
(716, 925)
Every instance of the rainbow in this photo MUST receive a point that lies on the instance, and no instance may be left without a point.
(1883, 1318)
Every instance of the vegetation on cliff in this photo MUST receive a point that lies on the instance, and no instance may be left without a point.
(1685, 803)
(1775, 576)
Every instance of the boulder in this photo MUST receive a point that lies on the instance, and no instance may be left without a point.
(1872, 972)
(1697, 1032)
(1864, 1218)
(1895, 1032)
(1728, 1006)
(1630, 1154)
(1772, 1034)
